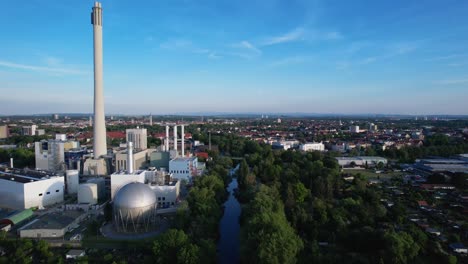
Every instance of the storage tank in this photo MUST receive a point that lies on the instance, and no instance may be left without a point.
(88, 193)
(101, 185)
(72, 181)
(134, 208)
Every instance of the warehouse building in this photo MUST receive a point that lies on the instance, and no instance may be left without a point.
(24, 189)
(52, 225)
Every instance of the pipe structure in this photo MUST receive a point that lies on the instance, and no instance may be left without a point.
(167, 139)
(175, 139)
(129, 157)
(182, 140)
(99, 143)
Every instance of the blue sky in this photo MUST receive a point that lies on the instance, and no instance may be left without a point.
(173, 56)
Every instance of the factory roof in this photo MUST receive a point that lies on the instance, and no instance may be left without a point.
(53, 220)
(17, 217)
(183, 159)
(124, 172)
(25, 176)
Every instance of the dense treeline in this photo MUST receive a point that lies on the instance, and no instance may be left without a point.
(27, 251)
(298, 209)
(21, 157)
(193, 240)
(436, 145)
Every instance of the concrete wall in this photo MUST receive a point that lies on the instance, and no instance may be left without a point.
(52, 191)
(11, 194)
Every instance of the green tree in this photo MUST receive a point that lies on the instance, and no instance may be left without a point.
(174, 246)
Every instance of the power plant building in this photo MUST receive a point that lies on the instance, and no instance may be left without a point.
(139, 138)
(24, 189)
(184, 168)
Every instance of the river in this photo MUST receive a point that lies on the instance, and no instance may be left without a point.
(228, 245)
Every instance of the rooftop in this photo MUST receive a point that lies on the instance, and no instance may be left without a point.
(53, 220)
(25, 175)
(183, 159)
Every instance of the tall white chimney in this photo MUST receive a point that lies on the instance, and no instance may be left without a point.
(130, 157)
(182, 140)
(175, 139)
(11, 163)
(167, 138)
(99, 144)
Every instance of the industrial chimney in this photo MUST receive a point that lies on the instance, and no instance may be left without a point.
(182, 140)
(130, 157)
(175, 139)
(99, 144)
(167, 138)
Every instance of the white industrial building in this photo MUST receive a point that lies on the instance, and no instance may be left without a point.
(24, 189)
(139, 138)
(183, 168)
(314, 146)
(285, 144)
(362, 161)
(72, 180)
(29, 130)
(354, 129)
(50, 154)
(167, 194)
(140, 159)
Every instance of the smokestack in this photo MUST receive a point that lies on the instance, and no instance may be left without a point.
(175, 139)
(11, 163)
(99, 144)
(151, 120)
(167, 138)
(130, 157)
(182, 140)
(209, 140)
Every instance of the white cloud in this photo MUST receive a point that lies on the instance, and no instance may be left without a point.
(294, 35)
(290, 61)
(248, 46)
(60, 70)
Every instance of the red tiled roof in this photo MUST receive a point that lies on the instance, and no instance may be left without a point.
(116, 134)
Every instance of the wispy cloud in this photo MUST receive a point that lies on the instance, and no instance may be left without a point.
(248, 46)
(393, 50)
(290, 61)
(188, 46)
(245, 49)
(48, 69)
(294, 35)
(447, 57)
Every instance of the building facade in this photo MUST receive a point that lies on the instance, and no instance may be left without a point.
(139, 138)
(183, 168)
(24, 189)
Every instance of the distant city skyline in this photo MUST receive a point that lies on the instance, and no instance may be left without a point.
(264, 56)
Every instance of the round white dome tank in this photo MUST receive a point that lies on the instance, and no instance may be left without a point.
(134, 207)
(88, 193)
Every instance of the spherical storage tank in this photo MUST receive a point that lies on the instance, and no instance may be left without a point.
(134, 208)
(88, 193)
